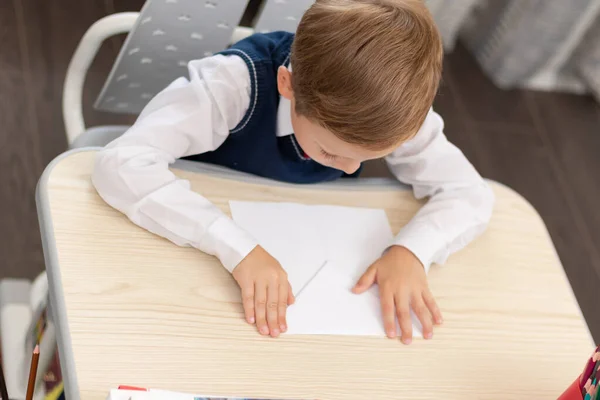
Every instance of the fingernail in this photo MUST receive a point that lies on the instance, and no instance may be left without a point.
(428, 335)
(264, 330)
(251, 320)
(283, 328)
(392, 334)
(407, 341)
(275, 332)
(440, 321)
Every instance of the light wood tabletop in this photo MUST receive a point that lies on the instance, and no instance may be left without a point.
(134, 309)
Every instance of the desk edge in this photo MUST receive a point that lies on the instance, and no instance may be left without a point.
(56, 293)
(57, 301)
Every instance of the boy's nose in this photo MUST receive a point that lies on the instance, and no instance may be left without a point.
(350, 167)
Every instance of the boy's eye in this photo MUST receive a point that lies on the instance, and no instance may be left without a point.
(327, 156)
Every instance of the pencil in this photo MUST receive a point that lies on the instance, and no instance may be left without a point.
(35, 357)
(3, 390)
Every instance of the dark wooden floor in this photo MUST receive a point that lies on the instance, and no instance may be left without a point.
(545, 146)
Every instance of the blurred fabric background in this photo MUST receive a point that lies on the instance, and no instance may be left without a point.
(536, 44)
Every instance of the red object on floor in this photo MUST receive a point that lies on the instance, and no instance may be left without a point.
(573, 392)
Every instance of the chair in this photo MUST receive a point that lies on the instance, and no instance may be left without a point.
(162, 39)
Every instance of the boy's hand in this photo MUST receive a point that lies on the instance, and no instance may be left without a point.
(266, 292)
(402, 285)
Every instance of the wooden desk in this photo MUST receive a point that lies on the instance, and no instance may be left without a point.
(135, 309)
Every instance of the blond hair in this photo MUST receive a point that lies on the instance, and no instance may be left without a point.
(368, 70)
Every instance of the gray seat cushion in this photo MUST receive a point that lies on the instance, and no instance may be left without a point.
(99, 136)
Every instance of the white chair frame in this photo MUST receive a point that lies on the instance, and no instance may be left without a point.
(83, 57)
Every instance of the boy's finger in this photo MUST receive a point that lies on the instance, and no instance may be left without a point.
(291, 297)
(366, 281)
(422, 313)
(248, 303)
(283, 298)
(260, 306)
(387, 310)
(272, 309)
(433, 307)
(403, 313)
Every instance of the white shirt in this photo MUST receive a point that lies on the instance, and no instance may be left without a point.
(195, 116)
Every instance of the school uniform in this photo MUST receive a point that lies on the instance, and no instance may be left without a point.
(253, 146)
(229, 112)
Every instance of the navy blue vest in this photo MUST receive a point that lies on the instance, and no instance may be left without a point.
(253, 145)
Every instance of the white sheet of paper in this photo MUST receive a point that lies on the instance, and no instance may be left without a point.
(302, 238)
(284, 230)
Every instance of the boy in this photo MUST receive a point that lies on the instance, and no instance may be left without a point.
(355, 83)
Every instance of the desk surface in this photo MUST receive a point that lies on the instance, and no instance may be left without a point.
(135, 309)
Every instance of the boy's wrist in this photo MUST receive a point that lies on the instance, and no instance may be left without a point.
(424, 241)
(401, 254)
(246, 257)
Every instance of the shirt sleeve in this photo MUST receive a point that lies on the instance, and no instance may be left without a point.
(460, 201)
(189, 117)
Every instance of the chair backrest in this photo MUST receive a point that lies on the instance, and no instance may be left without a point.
(281, 15)
(169, 33)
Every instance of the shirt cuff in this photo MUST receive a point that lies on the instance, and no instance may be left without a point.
(230, 243)
(425, 242)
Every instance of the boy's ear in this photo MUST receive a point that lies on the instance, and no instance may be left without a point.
(284, 82)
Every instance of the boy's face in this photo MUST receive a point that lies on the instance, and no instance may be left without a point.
(320, 144)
